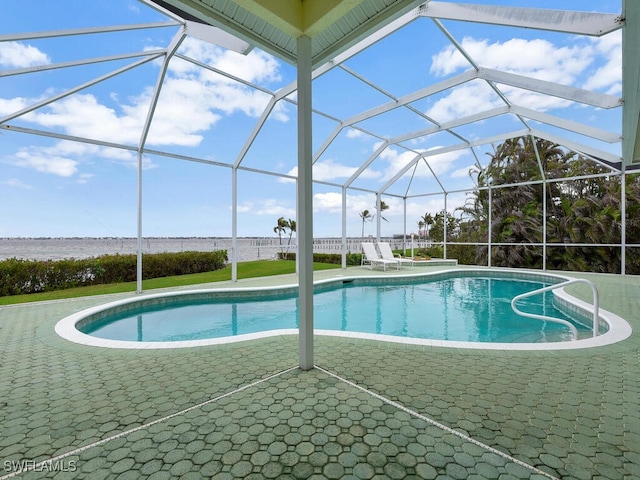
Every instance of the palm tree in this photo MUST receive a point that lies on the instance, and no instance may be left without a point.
(366, 216)
(280, 228)
(383, 207)
(427, 221)
(580, 210)
(291, 226)
(284, 227)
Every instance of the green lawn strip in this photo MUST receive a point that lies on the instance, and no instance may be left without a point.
(258, 268)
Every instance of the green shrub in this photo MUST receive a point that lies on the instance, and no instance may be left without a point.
(332, 258)
(18, 276)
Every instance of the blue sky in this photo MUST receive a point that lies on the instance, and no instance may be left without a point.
(54, 187)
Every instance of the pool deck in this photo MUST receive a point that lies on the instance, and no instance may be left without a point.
(368, 410)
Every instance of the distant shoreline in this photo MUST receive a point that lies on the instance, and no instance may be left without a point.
(248, 248)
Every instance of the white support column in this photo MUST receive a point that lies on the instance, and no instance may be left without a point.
(234, 224)
(445, 226)
(344, 227)
(378, 217)
(305, 206)
(623, 222)
(490, 230)
(544, 225)
(139, 222)
(298, 215)
(404, 228)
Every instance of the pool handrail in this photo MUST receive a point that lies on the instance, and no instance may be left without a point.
(574, 331)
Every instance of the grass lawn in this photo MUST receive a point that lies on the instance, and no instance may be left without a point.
(258, 268)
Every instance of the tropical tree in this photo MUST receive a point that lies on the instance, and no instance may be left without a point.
(437, 231)
(582, 210)
(383, 207)
(284, 227)
(366, 216)
(427, 221)
(280, 229)
(292, 226)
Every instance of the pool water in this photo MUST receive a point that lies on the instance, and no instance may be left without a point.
(470, 309)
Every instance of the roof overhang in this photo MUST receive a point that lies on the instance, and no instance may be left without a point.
(274, 26)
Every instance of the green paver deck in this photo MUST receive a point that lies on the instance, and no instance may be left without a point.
(370, 409)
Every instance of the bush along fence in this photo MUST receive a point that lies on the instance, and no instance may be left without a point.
(333, 258)
(18, 276)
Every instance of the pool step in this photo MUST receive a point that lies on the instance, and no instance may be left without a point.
(435, 262)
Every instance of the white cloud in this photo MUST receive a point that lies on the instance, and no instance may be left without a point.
(328, 202)
(433, 204)
(395, 160)
(11, 105)
(85, 177)
(476, 97)
(537, 58)
(331, 202)
(354, 133)
(440, 164)
(608, 77)
(84, 116)
(191, 102)
(36, 159)
(19, 55)
(464, 172)
(417, 208)
(467, 99)
(17, 183)
(63, 158)
(327, 170)
(183, 113)
(267, 206)
(257, 66)
(391, 160)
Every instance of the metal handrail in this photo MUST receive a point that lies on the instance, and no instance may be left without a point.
(574, 331)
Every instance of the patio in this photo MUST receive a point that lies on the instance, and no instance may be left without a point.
(368, 410)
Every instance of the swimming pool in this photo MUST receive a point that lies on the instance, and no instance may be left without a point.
(470, 308)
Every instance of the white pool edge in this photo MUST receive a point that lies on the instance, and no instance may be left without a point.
(619, 329)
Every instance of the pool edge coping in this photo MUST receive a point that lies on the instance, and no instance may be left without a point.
(619, 329)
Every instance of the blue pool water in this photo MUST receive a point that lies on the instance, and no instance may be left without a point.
(471, 309)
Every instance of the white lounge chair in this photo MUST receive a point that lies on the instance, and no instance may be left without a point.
(372, 258)
(387, 254)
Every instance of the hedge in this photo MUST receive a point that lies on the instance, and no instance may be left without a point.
(333, 258)
(19, 276)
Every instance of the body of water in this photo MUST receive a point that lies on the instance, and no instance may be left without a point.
(248, 248)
